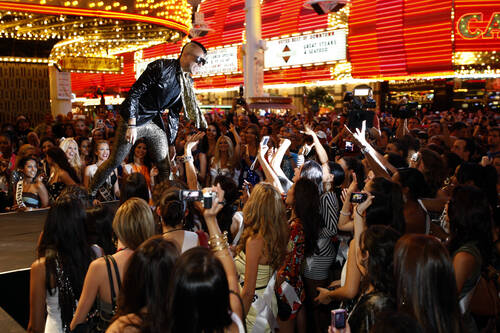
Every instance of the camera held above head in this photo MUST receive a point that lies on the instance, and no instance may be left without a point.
(405, 109)
(360, 107)
(193, 195)
(241, 100)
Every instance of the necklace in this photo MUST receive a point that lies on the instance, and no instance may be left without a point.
(122, 248)
(177, 229)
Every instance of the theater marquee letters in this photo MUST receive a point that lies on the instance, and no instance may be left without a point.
(468, 26)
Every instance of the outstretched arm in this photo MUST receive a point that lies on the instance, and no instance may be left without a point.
(271, 176)
(320, 151)
(191, 141)
(237, 146)
(278, 157)
(380, 166)
(222, 250)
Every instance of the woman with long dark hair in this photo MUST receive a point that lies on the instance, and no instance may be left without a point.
(29, 192)
(470, 220)
(375, 262)
(62, 174)
(143, 301)
(229, 218)
(383, 206)
(133, 224)
(203, 295)
(426, 285)
(207, 150)
(56, 278)
(304, 225)
(414, 189)
(134, 185)
(139, 161)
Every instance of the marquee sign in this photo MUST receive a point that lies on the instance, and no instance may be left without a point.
(220, 61)
(466, 29)
(306, 49)
(91, 64)
(477, 26)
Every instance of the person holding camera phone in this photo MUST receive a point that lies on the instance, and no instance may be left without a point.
(165, 84)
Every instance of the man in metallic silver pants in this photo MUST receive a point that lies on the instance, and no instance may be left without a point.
(165, 84)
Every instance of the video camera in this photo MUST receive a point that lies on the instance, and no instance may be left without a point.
(360, 107)
(241, 100)
(405, 109)
(193, 195)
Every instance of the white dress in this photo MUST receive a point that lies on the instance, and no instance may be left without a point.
(53, 324)
(190, 241)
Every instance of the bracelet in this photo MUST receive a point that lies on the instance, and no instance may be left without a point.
(219, 237)
(131, 126)
(218, 242)
(344, 213)
(187, 158)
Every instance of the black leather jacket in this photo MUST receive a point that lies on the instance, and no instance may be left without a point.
(157, 89)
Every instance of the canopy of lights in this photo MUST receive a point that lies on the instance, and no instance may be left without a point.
(98, 29)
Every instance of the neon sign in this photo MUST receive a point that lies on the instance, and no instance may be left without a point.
(468, 26)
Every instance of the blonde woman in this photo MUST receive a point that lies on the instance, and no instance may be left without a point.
(133, 224)
(70, 148)
(260, 253)
(226, 158)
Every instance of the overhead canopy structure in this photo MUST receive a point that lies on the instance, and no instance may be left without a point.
(89, 34)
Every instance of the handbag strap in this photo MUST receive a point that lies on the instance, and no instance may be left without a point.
(117, 272)
(111, 284)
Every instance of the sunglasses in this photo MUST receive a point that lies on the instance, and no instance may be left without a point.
(200, 60)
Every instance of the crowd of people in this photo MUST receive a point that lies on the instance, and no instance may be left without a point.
(398, 224)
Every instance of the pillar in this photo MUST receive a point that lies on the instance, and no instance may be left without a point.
(254, 53)
(60, 91)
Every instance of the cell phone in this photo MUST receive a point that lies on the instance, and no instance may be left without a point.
(358, 197)
(415, 157)
(339, 318)
(349, 146)
(264, 141)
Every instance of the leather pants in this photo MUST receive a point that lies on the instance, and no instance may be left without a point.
(157, 142)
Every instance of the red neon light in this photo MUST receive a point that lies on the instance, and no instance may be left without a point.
(482, 41)
(405, 37)
(56, 10)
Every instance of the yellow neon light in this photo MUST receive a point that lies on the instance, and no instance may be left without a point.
(43, 9)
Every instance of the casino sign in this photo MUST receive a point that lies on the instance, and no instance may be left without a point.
(466, 29)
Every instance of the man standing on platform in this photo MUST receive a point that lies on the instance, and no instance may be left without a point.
(165, 84)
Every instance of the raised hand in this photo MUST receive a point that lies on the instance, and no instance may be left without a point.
(192, 140)
(217, 201)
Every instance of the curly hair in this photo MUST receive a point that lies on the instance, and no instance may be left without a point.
(264, 215)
